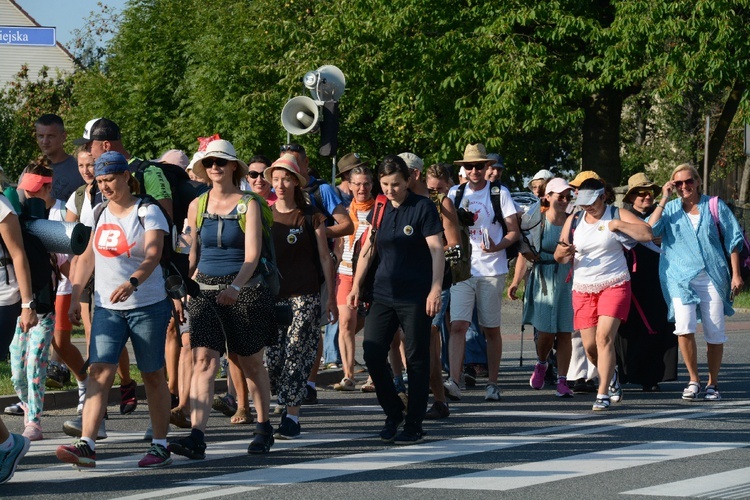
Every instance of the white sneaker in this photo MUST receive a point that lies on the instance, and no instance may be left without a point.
(452, 391)
(74, 428)
(493, 393)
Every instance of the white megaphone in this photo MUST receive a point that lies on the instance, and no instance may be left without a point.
(326, 83)
(300, 115)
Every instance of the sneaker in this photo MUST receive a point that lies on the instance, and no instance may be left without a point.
(583, 386)
(288, 428)
(78, 453)
(346, 384)
(186, 447)
(178, 418)
(712, 393)
(690, 393)
(263, 439)
(493, 393)
(439, 410)
(128, 400)
(390, 429)
(9, 459)
(14, 409)
(537, 376)
(408, 437)
(615, 389)
(225, 404)
(563, 390)
(81, 399)
(311, 395)
(55, 377)
(452, 391)
(156, 456)
(601, 404)
(470, 376)
(74, 428)
(33, 432)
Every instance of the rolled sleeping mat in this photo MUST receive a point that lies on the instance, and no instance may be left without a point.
(60, 237)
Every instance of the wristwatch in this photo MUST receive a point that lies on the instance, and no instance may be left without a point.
(29, 305)
(239, 289)
(134, 282)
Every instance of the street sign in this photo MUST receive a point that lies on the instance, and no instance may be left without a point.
(27, 36)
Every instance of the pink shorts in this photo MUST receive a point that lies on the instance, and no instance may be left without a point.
(613, 302)
(344, 285)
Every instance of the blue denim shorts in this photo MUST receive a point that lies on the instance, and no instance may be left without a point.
(146, 327)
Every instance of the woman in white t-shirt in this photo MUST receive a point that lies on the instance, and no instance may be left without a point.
(601, 280)
(130, 303)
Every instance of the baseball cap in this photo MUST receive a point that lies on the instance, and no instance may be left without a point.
(99, 129)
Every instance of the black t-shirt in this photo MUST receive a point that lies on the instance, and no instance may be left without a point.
(404, 274)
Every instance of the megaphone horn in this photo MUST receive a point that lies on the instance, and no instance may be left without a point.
(300, 115)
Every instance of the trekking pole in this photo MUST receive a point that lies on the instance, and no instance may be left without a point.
(520, 356)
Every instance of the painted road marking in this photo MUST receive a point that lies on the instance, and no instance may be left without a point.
(730, 484)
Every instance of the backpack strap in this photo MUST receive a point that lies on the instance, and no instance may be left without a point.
(495, 193)
(80, 197)
(460, 194)
(713, 207)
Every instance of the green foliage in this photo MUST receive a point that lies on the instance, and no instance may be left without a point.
(22, 101)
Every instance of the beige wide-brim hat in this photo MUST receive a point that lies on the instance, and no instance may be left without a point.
(289, 163)
(474, 153)
(640, 181)
(219, 149)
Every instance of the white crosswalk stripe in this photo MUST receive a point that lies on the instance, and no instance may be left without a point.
(730, 484)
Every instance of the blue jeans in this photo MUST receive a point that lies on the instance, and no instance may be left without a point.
(440, 321)
(476, 343)
(145, 326)
(331, 353)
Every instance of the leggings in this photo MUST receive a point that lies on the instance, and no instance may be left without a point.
(29, 353)
(291, 359)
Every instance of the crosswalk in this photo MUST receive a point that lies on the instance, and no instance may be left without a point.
(726, 484)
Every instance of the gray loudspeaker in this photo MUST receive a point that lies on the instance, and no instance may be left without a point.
(300, 115)
(326, 83)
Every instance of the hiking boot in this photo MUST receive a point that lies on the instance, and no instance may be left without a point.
(537, 376)
(452, 391)
(79, 453)
(9, 459)
(438, 411)
(493, 393)
(288, 429)
(74, 428)
(563, 390)
(311, 395)
(186, 447)
(225, 404)
(128, 400)
(390, 429)
(615, 389)
(263, 439)
(156, 456)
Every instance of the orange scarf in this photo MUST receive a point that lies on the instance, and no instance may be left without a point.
(355, 207)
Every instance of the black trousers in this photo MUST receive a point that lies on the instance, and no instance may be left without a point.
(380, 326)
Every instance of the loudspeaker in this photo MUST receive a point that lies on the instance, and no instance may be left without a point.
(300, 115)
(326, 83)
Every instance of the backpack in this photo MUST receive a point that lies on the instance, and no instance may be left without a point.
(511, 252)
(378, 210)
(80, 197)
(267, 262)
(713, 206)
(43, 268)
(313, 190)
(459, 270)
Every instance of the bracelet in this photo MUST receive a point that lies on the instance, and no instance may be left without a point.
(238, 288)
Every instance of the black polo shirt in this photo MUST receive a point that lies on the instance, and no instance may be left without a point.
(405, 271)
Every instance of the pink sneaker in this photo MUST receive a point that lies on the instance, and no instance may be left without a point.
(33, 431)
(563, 391)
(537, 378)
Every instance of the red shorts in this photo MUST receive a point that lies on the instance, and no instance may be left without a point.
(62, 322)
(344, 285)
(613, 302)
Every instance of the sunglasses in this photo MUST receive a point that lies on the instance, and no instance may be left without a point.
(296, 148)
(254, 175)
(645, 192)
(219, 162)
(687, 182)
(474, 166)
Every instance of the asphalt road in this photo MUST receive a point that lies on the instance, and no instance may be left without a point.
(529, 445)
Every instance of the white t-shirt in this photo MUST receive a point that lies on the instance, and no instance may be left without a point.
(480, 204)
(119, 249)
(57, 212)
(599, 260)
(87, 212)
(9, 294)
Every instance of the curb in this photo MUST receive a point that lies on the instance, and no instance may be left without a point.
(61, 400)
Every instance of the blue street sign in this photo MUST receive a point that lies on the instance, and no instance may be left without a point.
(25, 35)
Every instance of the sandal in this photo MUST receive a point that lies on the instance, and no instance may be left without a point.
(241, 416)
(346, 384)
(368, 386)
(712, 393)
(690, 393)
